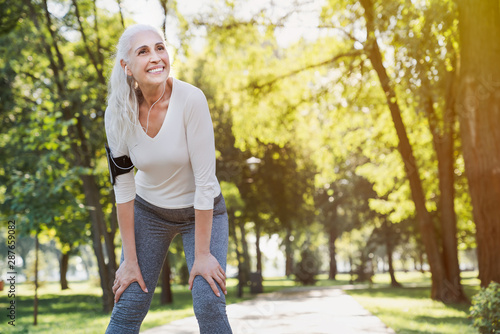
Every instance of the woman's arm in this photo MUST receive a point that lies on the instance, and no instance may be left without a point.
(201, 147)
(205, 264)
(124, 187)
(203, 229)
(129, 270)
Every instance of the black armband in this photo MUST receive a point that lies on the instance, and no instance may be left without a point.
(117, 166)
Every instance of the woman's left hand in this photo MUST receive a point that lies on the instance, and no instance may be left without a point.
(207, 266)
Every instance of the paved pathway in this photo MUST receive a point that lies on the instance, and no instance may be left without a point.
(293, 311)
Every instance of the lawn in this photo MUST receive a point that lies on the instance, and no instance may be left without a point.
(409, 310)
(78, 310)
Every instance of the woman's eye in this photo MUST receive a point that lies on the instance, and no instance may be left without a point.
(142, 51)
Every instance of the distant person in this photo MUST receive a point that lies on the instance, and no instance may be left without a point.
(162, 126)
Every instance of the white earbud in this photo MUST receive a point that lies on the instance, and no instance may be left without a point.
(126, 70)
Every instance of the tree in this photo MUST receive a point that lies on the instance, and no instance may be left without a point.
(236, 47)
(427, 66)
(61, 101)
(477, 103)
(287, 184)
(343, 205)
(441, 286)
(389, 235)
(166, 288)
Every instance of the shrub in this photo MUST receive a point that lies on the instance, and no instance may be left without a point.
(485, 309)
(307, 268)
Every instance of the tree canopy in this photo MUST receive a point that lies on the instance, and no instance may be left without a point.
(360, 127)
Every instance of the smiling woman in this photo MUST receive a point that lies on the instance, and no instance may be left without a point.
(164, 126)
(149, 66)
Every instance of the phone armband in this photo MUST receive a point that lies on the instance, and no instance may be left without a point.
(117, 166)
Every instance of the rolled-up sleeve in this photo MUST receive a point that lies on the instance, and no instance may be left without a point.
(201, 147)
(125, 183)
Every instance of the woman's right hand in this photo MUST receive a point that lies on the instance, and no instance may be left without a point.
(127, 273)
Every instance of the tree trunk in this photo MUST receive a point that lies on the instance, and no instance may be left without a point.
(390, 251)
(106, 270)
(288, 253)
(245, 266)
(441, 287)
(421, 259)
(443, 142)
(35, 300)
(351, 269)
(166, 288)
(478, 102)
(232, 231)
(257, 247)
(333, 235)
(63, 270)
(86, 259)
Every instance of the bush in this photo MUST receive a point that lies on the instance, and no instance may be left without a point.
(485, 309)
(307, 268)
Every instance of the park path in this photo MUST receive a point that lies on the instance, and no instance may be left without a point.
(292, 311)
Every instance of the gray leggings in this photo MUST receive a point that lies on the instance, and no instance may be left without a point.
(155, 228)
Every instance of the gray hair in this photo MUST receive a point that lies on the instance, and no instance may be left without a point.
(123, 92)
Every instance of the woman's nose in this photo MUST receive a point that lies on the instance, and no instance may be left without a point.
(154, 57)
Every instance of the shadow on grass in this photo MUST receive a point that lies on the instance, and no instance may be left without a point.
(389, 292)
(441, 319)
(408, 310)
(422, 293)
(82, 313)
(53, 307)
(56, 304)
(56, 313)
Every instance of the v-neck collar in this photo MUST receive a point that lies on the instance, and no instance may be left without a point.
(164, 118)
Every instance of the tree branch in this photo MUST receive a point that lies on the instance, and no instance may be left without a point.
(53, 65)
(87, 48)
(121, 13)
(308, 67)
(98, 41)
(53, 35)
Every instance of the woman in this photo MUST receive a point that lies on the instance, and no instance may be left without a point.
(164, 126)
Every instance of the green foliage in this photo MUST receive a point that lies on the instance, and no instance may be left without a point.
(308, 267)
(312, 111)
(485, 309)
(9, 15)
(51, 92)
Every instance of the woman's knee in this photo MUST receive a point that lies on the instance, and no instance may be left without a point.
(206, 304)
(210, 310)
(130, 310)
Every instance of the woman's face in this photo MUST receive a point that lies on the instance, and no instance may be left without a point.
(149, 62)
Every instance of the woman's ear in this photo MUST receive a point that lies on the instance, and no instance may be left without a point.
(124, 66)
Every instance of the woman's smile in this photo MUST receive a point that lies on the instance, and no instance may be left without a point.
(156, 70)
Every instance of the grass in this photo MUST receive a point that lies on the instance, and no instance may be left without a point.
(409, 310)
(78, 310)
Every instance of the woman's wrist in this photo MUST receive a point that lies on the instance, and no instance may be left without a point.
(198, 253)
(131, 258)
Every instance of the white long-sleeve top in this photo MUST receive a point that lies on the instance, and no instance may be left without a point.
(176, 168)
